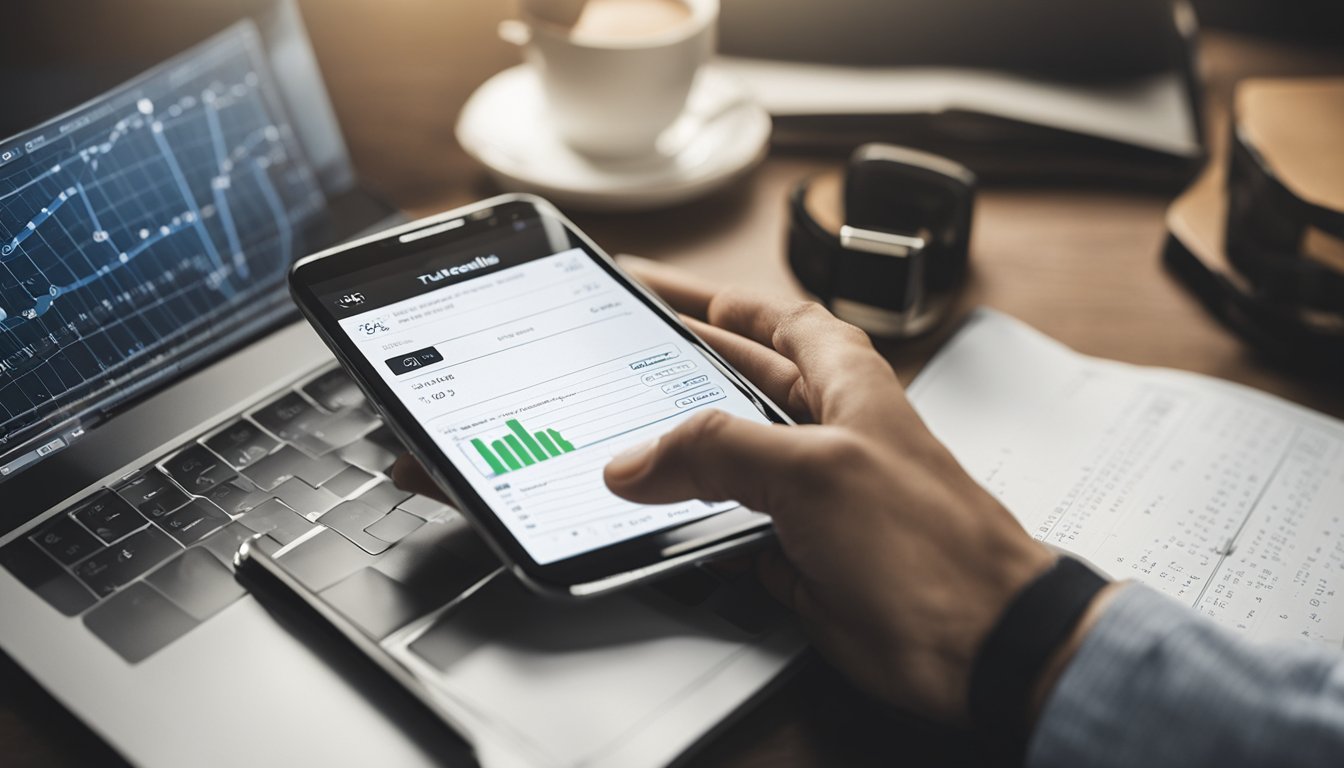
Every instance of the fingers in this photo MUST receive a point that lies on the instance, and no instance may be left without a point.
(767, 369)
(776, 376)
(713, 457)
(408, 475)
(793, 328)
(685, 293)
(831, 355)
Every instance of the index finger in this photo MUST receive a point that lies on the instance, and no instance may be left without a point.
(832, 355)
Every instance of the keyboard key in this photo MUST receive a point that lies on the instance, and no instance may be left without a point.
(384, 497)
(197, 469)
(305, 499)
(289, 462)
(426, 508)
(67, 541)
(342, 429)
(368, 455)
(276, 468)
(124, 562)
(109, 516)
(334, 390)
(197, 583)
(284, 414)
(138, 622)
(152, 493)
(384, 438)
(349, 480)
(194, 522)
(318, 471)
(237, 496)
(293, 419)
(224, 543)
(350, 518)
(241, 444)
(38, 572)
(277, 521)
(395, 527)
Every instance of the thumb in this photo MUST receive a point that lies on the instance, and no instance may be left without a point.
(712, 457)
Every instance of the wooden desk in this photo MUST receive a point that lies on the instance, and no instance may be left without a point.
(1079, 264)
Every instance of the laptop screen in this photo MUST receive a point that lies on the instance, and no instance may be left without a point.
(142, 233)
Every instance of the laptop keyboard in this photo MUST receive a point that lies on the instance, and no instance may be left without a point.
(146, 560)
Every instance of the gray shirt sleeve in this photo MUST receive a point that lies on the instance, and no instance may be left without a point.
(1156, 684)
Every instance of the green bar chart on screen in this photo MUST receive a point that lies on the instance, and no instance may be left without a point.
(521, 448)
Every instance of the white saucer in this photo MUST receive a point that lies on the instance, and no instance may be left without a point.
(722, 135)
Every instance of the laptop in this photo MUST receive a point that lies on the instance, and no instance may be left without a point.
(161, 403)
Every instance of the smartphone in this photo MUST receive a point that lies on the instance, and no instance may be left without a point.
(514, 359)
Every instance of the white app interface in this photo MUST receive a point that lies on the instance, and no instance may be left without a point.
(531, 378)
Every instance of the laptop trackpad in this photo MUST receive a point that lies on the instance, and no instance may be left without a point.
(572, 678)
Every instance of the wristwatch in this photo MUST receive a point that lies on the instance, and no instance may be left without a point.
(892, 262)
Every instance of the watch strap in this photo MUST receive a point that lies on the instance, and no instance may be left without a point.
(1019, 647)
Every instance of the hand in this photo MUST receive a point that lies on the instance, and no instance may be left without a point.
(897, 562)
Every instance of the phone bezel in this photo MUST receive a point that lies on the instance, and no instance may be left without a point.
(589, 573)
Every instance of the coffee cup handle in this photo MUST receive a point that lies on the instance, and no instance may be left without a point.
(515, 32)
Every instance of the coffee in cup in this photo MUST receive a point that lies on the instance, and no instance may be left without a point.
(629, 20)
(620, 75)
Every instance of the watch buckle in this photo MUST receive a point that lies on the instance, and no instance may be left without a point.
(880, 243)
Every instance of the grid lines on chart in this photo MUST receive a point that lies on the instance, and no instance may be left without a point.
(173, 203)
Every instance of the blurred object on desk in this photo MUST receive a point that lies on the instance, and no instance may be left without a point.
(1259, 238)
(1045, 89)
(1297, 20)
(1064, 39)
(887, 249)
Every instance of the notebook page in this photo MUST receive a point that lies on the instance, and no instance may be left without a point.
(1225, 498)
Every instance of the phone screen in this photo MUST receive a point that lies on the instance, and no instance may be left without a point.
(530, 374)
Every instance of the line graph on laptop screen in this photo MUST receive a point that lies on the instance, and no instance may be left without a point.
(142, 226)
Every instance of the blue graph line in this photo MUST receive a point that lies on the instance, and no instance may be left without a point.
(31, 226)
(123, 258)
(88, 206)
(273, 200)
(221, 192)
(35, 180)
(84, 154)
(157, 131)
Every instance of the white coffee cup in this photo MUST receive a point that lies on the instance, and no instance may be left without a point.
(612, 96)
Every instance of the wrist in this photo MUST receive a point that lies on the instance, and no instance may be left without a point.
(1063, 656)
(1030, 642)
